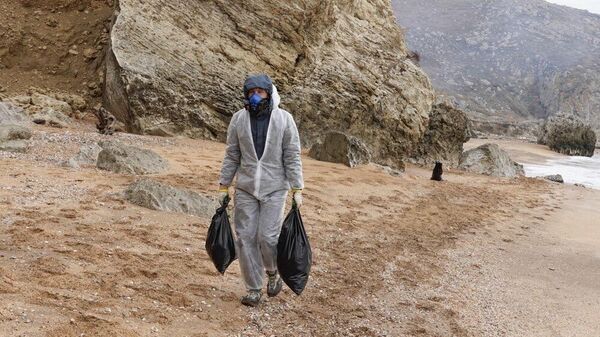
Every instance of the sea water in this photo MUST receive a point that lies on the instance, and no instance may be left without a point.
(574, 170)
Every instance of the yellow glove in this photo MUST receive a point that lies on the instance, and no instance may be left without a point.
(223, 194)
(297, 197)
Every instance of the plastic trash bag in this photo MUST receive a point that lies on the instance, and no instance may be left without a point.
(294, 256)
(220, 245)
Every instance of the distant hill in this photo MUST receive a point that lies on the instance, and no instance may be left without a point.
(507, 60)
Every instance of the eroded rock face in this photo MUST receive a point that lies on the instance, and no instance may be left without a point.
(158, 196)
(568, 135)
(340, 148)
(120, 158)
(489, 159)
(443, 141)
(177, 67)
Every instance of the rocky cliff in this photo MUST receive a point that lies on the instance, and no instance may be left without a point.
(508, 60)
(177, 67)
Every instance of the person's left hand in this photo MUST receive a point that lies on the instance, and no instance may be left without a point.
(297, 197)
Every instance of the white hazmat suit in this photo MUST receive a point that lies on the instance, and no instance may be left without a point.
(261, 187)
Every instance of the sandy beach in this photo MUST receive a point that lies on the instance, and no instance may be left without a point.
(393, 256)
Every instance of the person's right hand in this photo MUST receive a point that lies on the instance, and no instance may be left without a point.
(223, 194)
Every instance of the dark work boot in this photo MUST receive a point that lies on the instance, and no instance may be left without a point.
(252, 298)
(275, 284)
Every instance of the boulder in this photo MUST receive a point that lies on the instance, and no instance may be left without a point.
(557, 178)
(568, 135)
(120, 158)
(19, 146)
(338, 147)
(158, 196)
(14, 132)
(87, 155)
(177, 68)
(51, 117)
(44, 101)
(11, 114)
(13, 138)
(489, 159)
(75, 101)
(443, 141)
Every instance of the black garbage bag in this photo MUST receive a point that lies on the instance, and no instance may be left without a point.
(294, 256)
(220, 245)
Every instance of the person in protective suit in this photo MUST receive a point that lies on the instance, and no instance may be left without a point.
(263, 150)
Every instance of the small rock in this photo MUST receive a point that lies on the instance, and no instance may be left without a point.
(557, 178)
(89, 53)
(389, 170)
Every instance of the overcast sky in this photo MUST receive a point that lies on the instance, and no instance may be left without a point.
(591, 5)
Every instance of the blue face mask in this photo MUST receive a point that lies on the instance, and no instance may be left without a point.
(255, 100)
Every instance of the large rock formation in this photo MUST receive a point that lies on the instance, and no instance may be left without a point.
(567, 134)
(338, 147)
(177, 67)
(443, 141)
(490, 159)
(514, 59)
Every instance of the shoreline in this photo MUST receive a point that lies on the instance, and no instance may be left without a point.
(539, 161)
